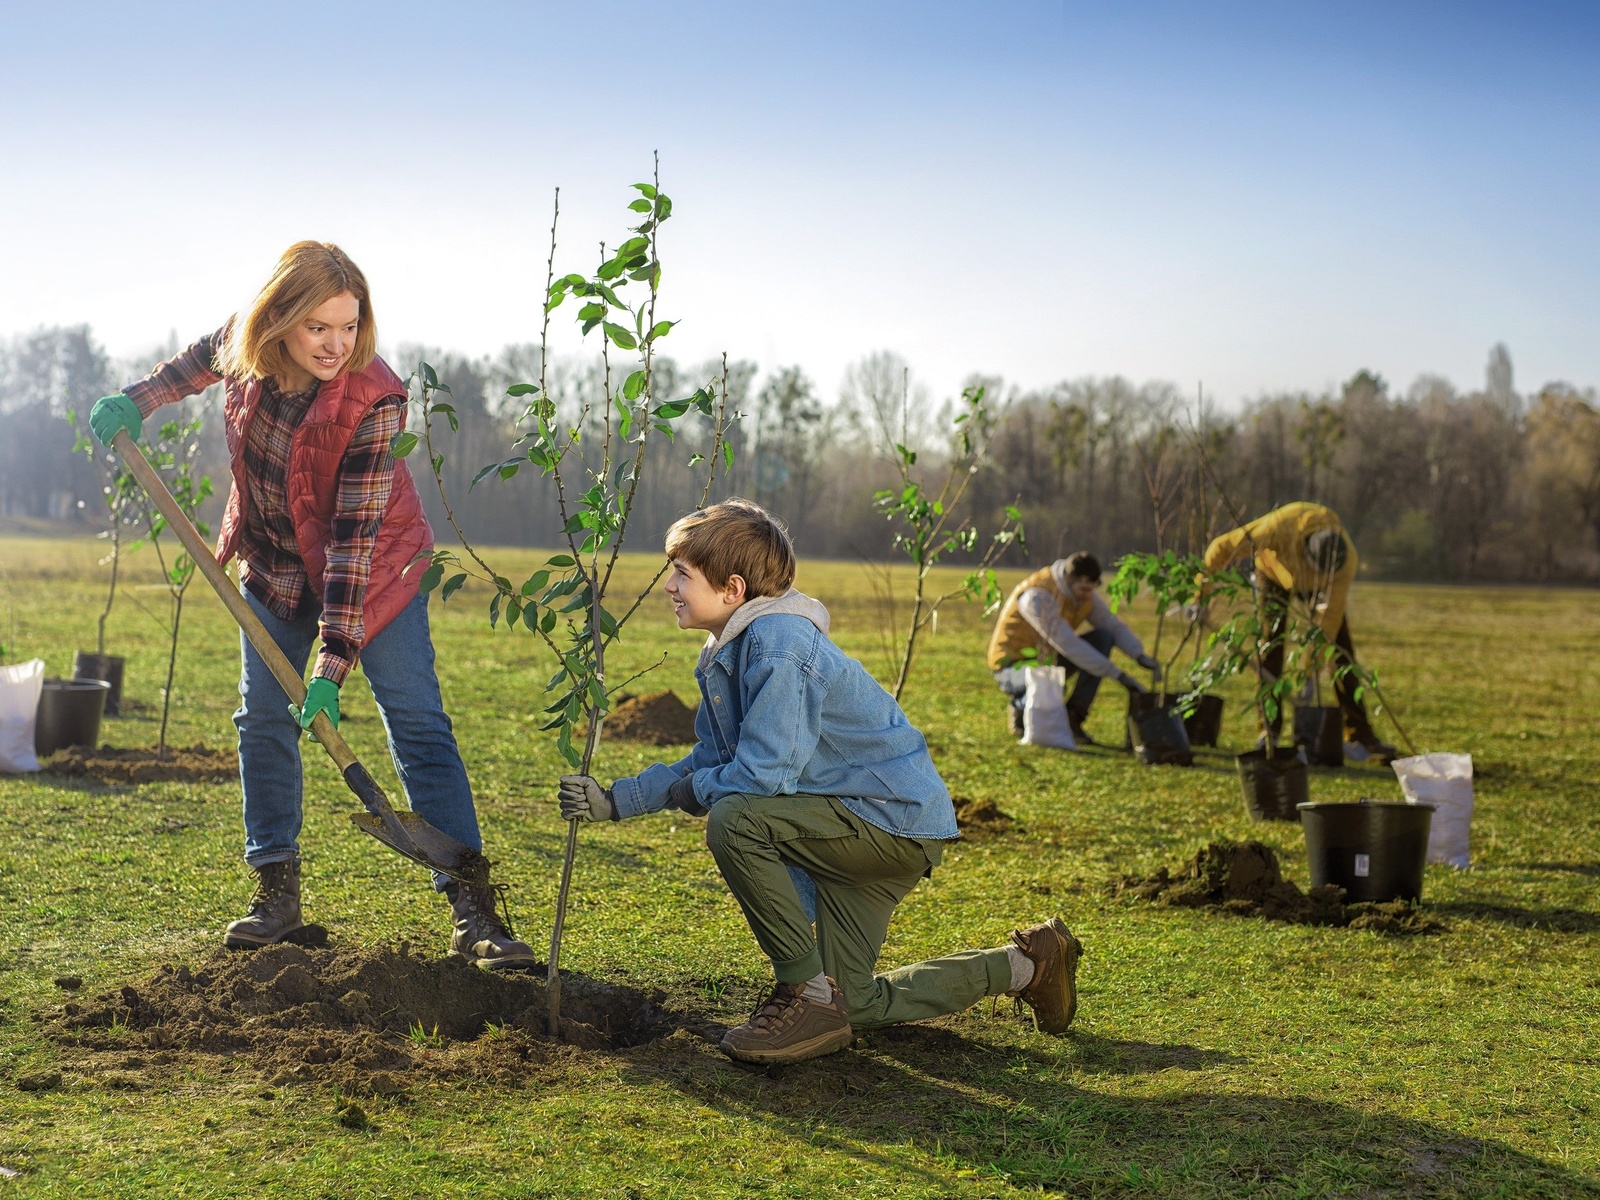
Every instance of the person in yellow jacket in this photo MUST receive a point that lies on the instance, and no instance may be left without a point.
(1303, 550)
(1041, 622)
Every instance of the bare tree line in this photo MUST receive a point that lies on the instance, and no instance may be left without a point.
(1433, 483)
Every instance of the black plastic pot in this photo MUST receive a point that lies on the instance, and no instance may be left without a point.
(1275, 787)
(86, 665)
(1156, 731)
(1374, 850)
(1320, 730)
(69, 714)
(1204, 724)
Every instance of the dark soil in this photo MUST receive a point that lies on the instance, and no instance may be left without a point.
(979, 818)
(659, 719)
(1243, 878)
(359, 1018)
(184, 764)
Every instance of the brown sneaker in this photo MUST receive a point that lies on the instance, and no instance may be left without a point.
(789, 1027)
(1052, 993)
(274, 909)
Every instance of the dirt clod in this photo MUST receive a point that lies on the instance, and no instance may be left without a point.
(40, 1081)
(191, 764)
(980, 818)
(68, 983)
(659, 719)
(350, 1016)
(1244, 879)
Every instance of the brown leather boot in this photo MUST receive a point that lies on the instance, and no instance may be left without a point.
(1052, 993)
(482, 936)
(790, 1027)
(274, 909)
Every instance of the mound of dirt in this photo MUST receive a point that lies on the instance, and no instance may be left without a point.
(1244, 878)
(659, 719)
(360, 1018)
(184, 764)
(980, 818)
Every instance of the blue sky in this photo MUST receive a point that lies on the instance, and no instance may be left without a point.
(1256, 196)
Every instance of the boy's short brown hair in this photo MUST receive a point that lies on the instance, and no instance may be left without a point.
(736, 537)
(1083, 565)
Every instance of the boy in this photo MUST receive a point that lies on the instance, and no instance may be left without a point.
(823, 806)
(1043, 614)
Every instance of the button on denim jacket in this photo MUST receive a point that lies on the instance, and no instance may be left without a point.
(783, 711)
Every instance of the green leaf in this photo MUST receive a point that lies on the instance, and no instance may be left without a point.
(452, 585)
(482, 475)
(727, 455)
(522, 389)
(431, 577)
(561, 560)
(633, 385)
(641, 205)
(403, 443)
(548, 621)
(620, 337)
(494, 611)
(646, 189)
(660, 329)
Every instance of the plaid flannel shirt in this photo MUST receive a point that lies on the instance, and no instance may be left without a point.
(269, 552)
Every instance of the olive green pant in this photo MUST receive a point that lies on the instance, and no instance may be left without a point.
(861, 873)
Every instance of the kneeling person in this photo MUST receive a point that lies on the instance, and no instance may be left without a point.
(823, 806)
(1044, 614)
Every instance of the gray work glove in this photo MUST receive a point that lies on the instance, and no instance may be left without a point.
(583, 799)
(1151, 665)
(1129, 682)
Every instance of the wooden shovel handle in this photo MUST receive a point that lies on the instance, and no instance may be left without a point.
(288, 678)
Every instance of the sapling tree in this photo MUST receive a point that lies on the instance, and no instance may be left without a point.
(927, 523)
(594, 455)
(173, 453)
(122, 497)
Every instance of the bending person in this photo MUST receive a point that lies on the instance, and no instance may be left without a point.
(1311, 545)
(825, 809)
(1041, 621)
(324, 522)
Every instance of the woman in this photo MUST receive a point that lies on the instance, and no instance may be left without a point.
(324, 522)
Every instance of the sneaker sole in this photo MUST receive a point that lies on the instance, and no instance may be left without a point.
(825, 1043)
(1071, 952)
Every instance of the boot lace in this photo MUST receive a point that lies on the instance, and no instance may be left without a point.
(481, 899)
(272, 880)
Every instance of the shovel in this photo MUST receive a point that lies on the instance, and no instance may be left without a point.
(396, 828)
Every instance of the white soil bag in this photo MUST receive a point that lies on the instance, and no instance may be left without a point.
(1044, 712)
(20, 688)
(1443, 780)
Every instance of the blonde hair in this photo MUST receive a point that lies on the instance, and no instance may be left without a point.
(736, 537)
(307, 276)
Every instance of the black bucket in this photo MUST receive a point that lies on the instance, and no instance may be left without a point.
(1321, 732)
(1374, 849)
(1273, 788)
(1204, 724)
(86, 665)
(1155, 730)
(69, 714)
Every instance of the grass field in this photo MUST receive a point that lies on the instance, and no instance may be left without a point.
(1212, 1056)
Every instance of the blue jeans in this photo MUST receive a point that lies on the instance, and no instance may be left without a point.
(398, 663)
(1014, 683)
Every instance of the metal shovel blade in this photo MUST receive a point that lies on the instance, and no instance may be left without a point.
(421, 842)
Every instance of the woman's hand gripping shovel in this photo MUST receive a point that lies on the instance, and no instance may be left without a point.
(396, 828)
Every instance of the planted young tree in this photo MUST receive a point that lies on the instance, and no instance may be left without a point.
(173, 454)
(594, 456)
(121, 494)
(927, 524)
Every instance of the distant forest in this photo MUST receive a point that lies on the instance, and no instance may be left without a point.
(1432, 483)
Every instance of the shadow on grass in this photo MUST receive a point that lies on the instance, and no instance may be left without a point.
(1010, 1113)
(1556, 920)
(1590, 869)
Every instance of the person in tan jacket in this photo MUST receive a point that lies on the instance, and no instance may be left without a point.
(1040, 623)
(1312, 561)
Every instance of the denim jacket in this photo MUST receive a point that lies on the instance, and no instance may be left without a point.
(783, 711)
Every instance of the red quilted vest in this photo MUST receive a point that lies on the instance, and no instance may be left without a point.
(314, 456)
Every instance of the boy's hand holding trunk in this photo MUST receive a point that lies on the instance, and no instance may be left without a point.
(583, 799)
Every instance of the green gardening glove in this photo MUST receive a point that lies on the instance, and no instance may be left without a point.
(111, 413)
(321, 696)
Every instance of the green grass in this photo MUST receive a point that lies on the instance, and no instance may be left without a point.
(1213, 1056)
